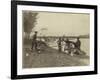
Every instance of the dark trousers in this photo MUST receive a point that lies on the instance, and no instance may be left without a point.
(59, 48)
(34, 45)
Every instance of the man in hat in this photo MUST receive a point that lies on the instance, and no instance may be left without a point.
(34, 41)
(59, 44)
(78, 43)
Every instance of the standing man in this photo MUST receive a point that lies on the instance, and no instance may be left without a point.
(59, 45)
(78, 43)
(34, 41)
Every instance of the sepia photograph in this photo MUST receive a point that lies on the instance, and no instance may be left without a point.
(54, 39)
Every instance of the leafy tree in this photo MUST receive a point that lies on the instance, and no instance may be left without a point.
(29, 21)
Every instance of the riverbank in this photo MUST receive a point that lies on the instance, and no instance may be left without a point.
(51, 58)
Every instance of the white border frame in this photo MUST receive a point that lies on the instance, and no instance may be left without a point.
(21, 71)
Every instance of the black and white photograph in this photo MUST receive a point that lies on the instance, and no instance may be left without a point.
(55, 39)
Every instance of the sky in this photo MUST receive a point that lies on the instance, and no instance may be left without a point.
(59, 24)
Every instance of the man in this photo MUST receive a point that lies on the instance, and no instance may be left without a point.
(59, 45)
(34, 41)
(78, 43)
